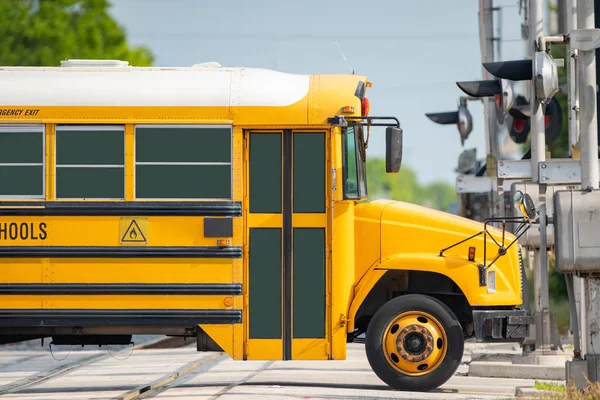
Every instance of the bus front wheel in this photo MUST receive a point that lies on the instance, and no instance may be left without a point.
(414, 342)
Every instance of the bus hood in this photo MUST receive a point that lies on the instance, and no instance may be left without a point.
(409, 228)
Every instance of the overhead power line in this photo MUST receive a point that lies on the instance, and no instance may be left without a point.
(441, 36)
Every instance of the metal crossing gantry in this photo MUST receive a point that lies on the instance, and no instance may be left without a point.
(566, 190)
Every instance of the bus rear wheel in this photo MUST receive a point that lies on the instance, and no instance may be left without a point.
(414, 342)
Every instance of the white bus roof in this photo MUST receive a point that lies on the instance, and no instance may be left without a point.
(114, 83)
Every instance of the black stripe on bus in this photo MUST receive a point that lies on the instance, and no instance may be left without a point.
(120, 252)
(287, 244)
(121, 208)
(121, 288)
(126, 317)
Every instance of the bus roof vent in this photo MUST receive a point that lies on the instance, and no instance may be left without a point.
(94, 63)
(210, 64)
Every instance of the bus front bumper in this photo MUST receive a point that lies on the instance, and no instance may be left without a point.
(502, 325)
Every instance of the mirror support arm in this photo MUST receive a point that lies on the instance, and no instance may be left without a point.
(461, 242)
(482, 268)
(341, 120)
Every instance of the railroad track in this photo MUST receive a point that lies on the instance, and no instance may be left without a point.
(169, 380)
(151, 389)
(148, 390)
(43, 376)
(163, 370)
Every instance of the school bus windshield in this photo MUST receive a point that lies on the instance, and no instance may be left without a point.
(355, 176)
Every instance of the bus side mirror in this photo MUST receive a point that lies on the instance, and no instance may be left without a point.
(393, 149)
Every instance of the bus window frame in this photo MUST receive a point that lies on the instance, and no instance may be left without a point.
(184, 126)
(26, 128)
(360, 160)
(89, 128)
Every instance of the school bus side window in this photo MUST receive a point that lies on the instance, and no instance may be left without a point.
(22, 174)
(90, 162)
(354, 164)
(183, 162)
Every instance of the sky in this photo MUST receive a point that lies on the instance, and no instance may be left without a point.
(412, 51)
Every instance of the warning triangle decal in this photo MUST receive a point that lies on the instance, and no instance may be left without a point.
(133, 234)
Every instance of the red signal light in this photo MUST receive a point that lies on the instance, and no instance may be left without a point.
(546, 120)
(519, 125)
(365, 107)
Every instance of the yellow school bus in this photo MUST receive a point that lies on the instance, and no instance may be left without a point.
(227, 204)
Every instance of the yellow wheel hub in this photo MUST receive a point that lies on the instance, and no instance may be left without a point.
(415, 343)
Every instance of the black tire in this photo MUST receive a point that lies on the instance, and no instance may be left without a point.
(375, 349)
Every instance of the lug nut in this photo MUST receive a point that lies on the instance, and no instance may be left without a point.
(429, 339)
(429, 348)
(414, 327)
(405, 356)
(423, 330)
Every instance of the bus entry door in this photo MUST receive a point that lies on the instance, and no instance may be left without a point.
(287, 268)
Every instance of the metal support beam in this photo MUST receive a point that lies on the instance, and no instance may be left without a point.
(486, 39)
(573, 98)
(538, 133)
(542, 294)
(590, 177)
(475, 184)
(538, 155)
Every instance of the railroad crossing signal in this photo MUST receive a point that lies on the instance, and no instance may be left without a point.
(517, 108)
(544, 69)
(500, 89)
(462, 118)
(520, 125)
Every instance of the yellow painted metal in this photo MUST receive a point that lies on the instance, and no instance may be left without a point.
(363, 240)
(367, 241)
(411, 239)
(361, 290)
(342, 276)
(425, 232)
(118, 302)
(309, 220)
(129, 162)
(265, 220)
(427, 330)
(137, 270)
(264, 349)
(21, 301)
(106, 231)
(224, 336)
(50, 161)
(310, 349)
(21, 270)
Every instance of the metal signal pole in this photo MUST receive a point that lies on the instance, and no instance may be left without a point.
(590, 179)
(486, 40)
(538, 155)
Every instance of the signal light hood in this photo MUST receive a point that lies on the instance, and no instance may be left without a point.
(481, 88)
(517, 70)
(444, 118)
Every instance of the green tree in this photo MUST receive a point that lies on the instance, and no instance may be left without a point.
(43, 32)
(404, 186)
